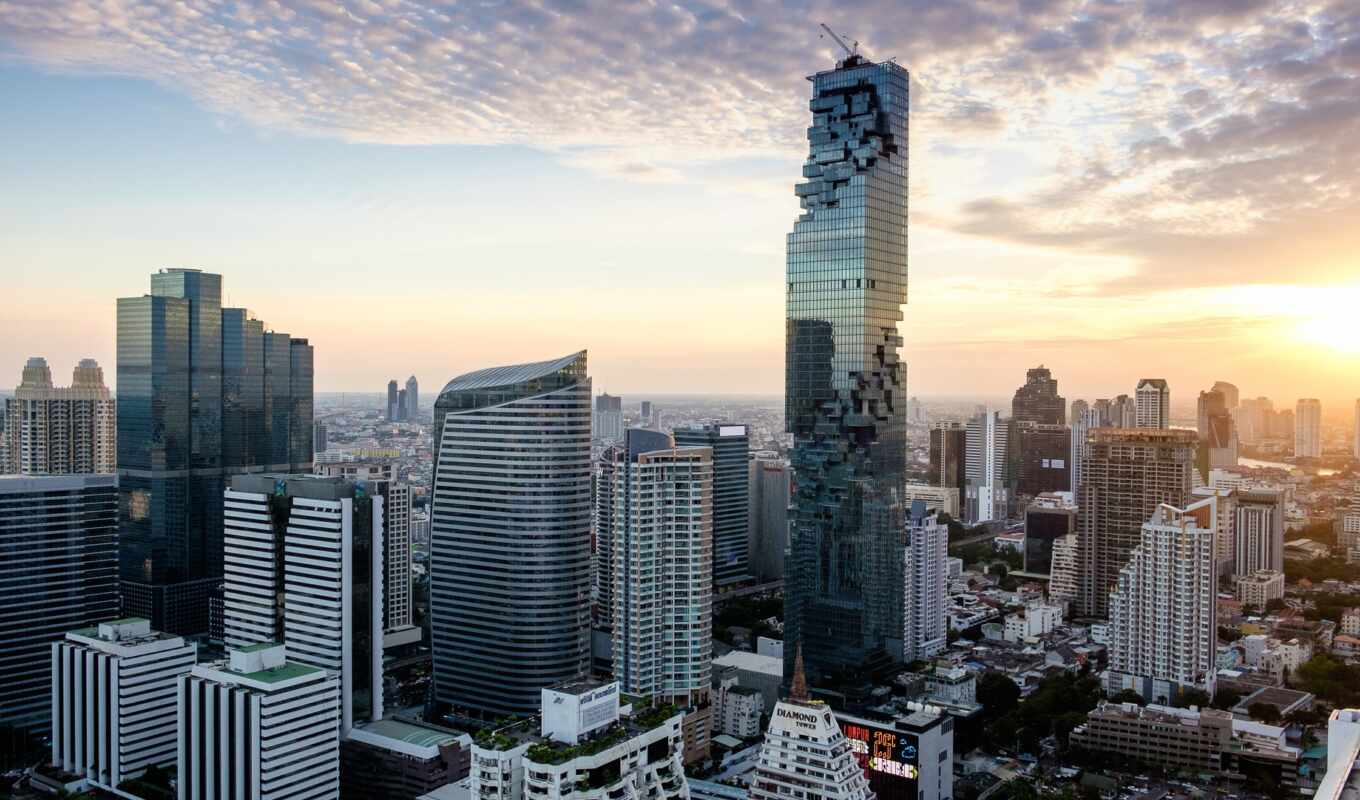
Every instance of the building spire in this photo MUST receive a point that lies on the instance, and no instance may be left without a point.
(798, 689)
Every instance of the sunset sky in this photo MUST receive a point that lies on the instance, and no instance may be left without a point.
(1115, 189)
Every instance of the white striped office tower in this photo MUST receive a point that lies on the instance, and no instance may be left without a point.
(113, 700)
(259, 727)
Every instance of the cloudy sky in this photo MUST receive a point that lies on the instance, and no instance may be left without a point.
(1115, 189)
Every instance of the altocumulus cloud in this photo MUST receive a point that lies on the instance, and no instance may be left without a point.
(1192, 133)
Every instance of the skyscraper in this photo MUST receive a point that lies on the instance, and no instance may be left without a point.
(319, 443)
(1355, 433)
(1163, 623)
(1049, 519)
(988, 443)
(1038, 400)
(731, 445)
(1229, 392)
(662, 572)
(769, 535)
(1308, 429)
(58, 572)
(608, 420)
(412, 398)
(925, 633)
(949, 456)
(304, 569)
(804, 730)
(60, 431)
(510, 534)
(1153, 398)
(1127, 473)
(1123, 412)
(1041, 455)
(1084, 420)
(1217, 433)
(844, 382)
(403, 413)
(203, 393)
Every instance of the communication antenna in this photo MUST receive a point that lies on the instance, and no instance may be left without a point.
(850, 51)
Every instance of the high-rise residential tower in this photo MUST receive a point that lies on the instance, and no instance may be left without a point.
(1153, 398)
(304, 568)
(403, 413)
(204, 392)
(1126, 475)
(1123, 412)
(845, 400)
(1038, 400)
(662, 572)
(393, 409)
(51, 430)
(925, 632)
(412, 398)
(1308, 429)
(1355, 433)
(988, 445)
(1163, 623)
(731, 445)
(608, 420)
(1084, 420)
(510, 528)
(58, 573)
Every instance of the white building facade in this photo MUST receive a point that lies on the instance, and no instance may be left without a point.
(1153, 398)
(1163, 613)
(258, 726)
(1308, 428)
(925, 628)
(329, 534)
(806, 756)
(113, 700)
(985, 468)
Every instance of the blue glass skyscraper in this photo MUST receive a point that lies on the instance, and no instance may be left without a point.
(731, 495)
(844, 385)
(208, 393)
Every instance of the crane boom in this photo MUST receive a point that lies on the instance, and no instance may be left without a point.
(838, 39)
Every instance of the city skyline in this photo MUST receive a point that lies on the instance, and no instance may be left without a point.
(1054, 221)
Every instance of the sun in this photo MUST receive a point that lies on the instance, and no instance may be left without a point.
(1332, 327)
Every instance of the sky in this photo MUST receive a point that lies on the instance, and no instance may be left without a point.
(1163, 188)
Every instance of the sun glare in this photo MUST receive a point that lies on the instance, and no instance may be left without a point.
(1334, 329)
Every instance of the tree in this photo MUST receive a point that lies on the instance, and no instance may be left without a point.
(1274, 604)
(1264, 712)
(1192, 697)
(997, 693)
(1225, 699)
(1128, 696)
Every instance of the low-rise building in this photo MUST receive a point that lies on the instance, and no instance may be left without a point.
(396, 760)
(1350, 622)
(1195, 740)
(1038, 619)
(762, 673)
(1260, 587)
(587, 746)
(738, 709)
(937, 498)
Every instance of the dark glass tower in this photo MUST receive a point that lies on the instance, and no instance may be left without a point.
(510, 535)
(731, 496)
(209, 394)
(844, 385)
(1038, 400)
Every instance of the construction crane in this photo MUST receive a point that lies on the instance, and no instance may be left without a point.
(848, 50)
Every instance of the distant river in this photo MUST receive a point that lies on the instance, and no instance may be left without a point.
(1321, 472)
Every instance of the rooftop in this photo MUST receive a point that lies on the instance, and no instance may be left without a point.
(511, 374)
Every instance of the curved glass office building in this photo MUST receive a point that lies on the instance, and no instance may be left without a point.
(510, 535)
(844, 385)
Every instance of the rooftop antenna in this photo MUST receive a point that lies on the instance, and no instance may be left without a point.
(850, 51)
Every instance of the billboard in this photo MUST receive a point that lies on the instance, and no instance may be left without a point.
(890, 759)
